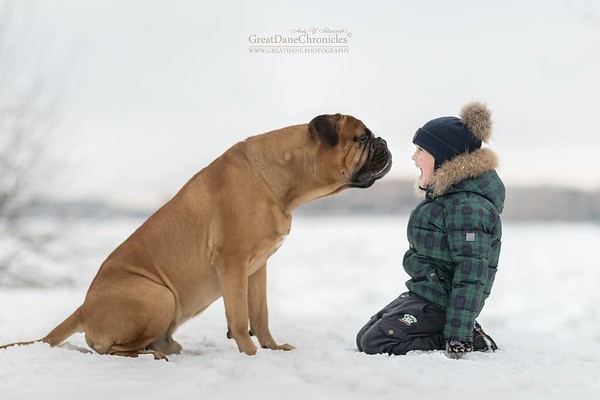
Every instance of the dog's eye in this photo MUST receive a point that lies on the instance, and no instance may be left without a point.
(362, 139)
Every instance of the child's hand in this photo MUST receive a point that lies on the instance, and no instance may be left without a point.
(455, 349)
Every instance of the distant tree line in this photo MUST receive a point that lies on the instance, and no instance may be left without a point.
(522, 203)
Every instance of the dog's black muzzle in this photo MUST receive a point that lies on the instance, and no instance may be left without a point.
(377, 165)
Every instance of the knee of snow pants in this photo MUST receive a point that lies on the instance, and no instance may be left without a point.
(408, 323)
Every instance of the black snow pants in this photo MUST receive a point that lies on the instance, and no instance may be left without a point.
(408, 323)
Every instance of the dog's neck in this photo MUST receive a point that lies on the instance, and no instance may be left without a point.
(288, 189)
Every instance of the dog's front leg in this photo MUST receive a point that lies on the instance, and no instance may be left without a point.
(233, 281)
(259, 315)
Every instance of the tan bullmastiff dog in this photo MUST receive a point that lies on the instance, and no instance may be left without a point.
(214, 237)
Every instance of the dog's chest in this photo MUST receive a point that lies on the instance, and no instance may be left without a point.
(264, 252)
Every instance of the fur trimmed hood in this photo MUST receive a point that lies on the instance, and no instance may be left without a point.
(462, 167)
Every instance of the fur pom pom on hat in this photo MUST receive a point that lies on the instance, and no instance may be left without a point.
(446, 137)
(478, 120)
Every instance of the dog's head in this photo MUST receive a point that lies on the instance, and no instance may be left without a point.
(352, 155)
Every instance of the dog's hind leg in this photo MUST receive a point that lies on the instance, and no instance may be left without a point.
(126, 322)
(156, 354)
(165, 344)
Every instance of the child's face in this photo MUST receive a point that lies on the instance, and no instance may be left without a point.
(426, 163)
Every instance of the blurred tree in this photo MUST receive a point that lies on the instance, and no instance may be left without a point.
(28, 114)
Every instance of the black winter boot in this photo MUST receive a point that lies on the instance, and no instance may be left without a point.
(481, 340)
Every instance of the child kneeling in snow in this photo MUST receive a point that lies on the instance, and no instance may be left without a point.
(454, 237)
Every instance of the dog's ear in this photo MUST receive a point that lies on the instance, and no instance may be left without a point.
(325, 128)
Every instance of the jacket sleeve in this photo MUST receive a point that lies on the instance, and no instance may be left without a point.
(468, 228)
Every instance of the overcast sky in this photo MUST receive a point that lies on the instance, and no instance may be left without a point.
(158, 89)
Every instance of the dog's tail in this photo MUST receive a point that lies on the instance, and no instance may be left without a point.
(69, 326)
(59, 334)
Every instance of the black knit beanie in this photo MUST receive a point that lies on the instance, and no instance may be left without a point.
(446, 137)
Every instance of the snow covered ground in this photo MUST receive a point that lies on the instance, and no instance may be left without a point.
(328, 278)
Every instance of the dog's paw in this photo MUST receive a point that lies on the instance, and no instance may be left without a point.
(249, 351)
(159, 355)
(247, 347)
(284, 347)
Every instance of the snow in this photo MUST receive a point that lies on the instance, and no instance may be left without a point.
(327, 279)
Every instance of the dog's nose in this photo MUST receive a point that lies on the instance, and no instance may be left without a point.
(381, 141)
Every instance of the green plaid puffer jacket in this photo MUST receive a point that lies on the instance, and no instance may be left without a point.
(454, 238)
